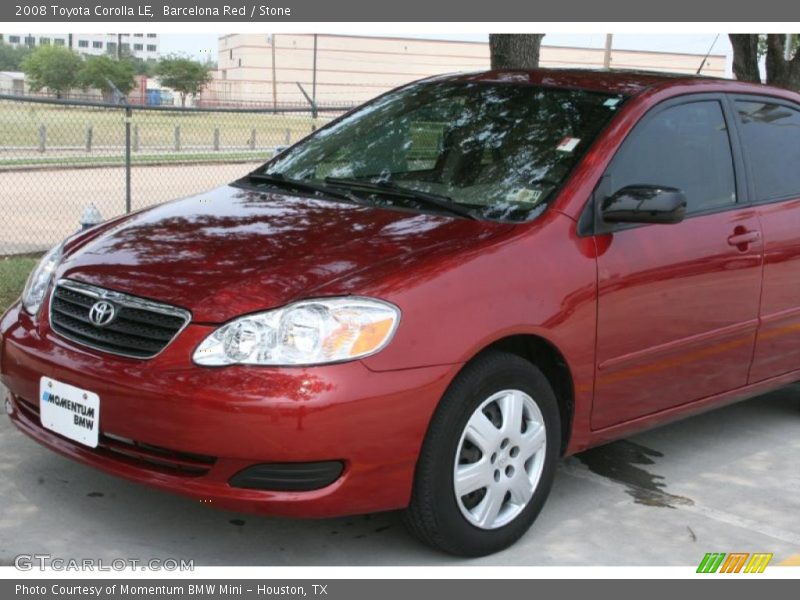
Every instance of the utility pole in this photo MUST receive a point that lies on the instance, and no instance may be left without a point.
(119, 46)
(274, 80)
(314, 76)
(607, 51)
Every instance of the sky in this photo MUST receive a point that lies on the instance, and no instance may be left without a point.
(202, 46)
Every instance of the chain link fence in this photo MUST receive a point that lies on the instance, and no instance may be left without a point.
(58, 157)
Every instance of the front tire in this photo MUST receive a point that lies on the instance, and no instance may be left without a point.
(489, 457)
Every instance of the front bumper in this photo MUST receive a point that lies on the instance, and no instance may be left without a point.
(207, 424)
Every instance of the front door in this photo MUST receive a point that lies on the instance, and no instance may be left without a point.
(677, 304)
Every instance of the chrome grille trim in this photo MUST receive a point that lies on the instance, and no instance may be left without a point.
(155, 325)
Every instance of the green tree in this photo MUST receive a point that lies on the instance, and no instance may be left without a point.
(143, 67)
(762, 43)
(53, 67)
(11, 57)
(183, 75)
(140, 66)
(97, 71)
(782, 64)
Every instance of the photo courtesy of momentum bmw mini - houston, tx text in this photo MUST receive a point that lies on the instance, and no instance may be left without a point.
(427, 302)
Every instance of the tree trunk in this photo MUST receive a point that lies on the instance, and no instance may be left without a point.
(515, 50)
(781, 72)
(745, 57)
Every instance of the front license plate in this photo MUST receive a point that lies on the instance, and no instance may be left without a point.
(70, 411)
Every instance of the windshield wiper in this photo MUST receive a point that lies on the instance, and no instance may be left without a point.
(391, 188)
(279, 180)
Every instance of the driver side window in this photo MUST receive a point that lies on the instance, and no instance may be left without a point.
(685, 147)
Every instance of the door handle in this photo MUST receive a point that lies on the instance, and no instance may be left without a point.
(744, 238)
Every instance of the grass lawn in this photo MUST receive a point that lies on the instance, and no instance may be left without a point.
(66, 127)
(14, 272)
(118, 160)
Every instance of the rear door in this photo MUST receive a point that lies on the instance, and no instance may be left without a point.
(677, 304)
(770, 132)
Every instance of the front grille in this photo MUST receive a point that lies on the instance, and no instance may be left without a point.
(139, 328)
(156, 458)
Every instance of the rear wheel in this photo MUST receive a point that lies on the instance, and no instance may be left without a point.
(488, 460)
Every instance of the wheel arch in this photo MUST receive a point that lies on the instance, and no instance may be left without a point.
(546, 356)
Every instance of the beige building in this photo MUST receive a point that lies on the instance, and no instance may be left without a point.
(264, 69)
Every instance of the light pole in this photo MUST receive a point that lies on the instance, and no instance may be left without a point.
(607, 52)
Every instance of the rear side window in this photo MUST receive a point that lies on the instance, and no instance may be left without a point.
(685, 147)
(771, 136)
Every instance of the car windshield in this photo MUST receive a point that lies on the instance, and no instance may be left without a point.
(499, 150)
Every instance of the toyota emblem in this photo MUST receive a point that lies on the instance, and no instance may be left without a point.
(102, 313)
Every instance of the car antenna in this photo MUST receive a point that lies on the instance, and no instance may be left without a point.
(705, 58)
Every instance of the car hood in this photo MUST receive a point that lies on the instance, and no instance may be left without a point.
(231, 251)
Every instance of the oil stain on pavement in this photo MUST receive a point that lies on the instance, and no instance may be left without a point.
(624, 462)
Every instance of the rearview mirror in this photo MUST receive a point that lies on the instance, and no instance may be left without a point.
(645, 204)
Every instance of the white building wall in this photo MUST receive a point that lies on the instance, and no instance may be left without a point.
(146, 46)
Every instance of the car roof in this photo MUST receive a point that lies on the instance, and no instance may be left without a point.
(613, 81)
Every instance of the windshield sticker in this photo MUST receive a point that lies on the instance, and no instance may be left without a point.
(568, 144)
(611, 102)
(524, 196)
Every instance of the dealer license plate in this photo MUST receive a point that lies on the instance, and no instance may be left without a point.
(69, 411)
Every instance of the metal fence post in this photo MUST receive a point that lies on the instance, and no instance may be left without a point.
(177, 138)
(128, 117)
(74, 125)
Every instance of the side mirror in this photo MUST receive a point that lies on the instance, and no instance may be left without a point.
(644, 204)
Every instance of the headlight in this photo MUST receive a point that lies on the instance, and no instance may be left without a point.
(39, 280)
(310, 332)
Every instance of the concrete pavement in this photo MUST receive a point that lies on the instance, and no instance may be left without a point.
(726, 481)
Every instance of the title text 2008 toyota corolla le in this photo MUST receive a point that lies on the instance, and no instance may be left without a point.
(427, 302)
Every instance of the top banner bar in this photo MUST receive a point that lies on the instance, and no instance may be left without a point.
(276, 11)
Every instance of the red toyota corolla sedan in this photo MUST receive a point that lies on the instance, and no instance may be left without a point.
(429, 301)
